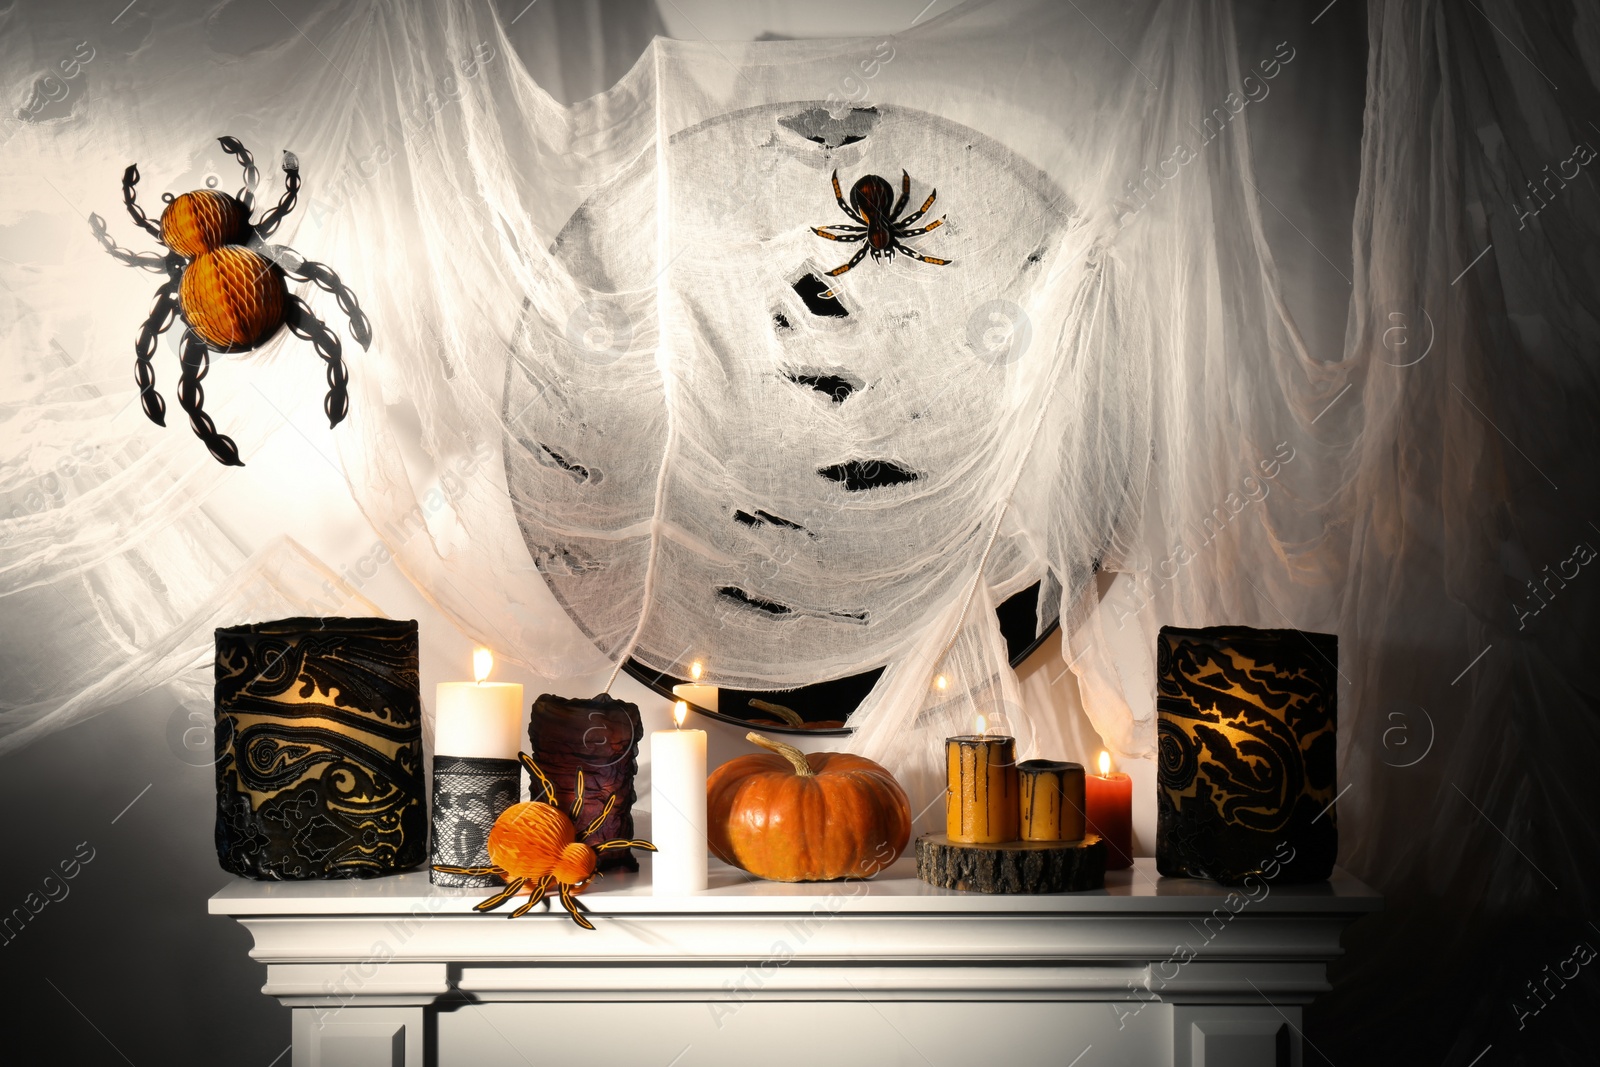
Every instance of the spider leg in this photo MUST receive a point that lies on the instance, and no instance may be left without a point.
(571, 904)
(905, 194)
(535, 895)
(443, 869)
(512, 888)
(252, 174)
(329, 282)
(577, 795)
(192, 397)
(611, 802)
(926, 259)
(820, 232)
(144, 350)
(920, 230)
(857, 258)
(304, 324)
(147, 260)
(291, 191)
(921, 211)
(130, 178)
(838, 194)
(611, 846)
(539, 776)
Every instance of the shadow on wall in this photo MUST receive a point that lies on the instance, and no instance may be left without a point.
(106, 951)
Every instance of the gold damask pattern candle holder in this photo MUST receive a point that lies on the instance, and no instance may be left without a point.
(319, 749)
(1247, 773)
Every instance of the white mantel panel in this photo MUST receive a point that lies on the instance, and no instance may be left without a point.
(854, 1033)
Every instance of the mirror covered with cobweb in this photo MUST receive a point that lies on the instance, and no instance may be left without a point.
(750, 452)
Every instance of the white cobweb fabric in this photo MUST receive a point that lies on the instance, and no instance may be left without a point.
(603, 297)
(700, 465)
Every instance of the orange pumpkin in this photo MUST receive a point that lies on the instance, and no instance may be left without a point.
(793, 817)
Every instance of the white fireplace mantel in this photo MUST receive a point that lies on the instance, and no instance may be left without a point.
(1148, 971)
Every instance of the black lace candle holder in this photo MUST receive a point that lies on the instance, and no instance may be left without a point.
(319, 749)
(1247, 776)
(469, 793)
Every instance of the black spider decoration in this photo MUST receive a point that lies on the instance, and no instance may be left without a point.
(229, 288)
(882, 229)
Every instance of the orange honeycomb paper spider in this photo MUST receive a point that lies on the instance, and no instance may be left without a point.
(533, 845)
(228, 286)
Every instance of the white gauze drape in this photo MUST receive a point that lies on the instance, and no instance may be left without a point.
(700, 444)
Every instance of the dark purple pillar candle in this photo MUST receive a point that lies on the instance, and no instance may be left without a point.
(600, 736)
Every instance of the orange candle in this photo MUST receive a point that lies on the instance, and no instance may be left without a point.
(1052, 800)
(1108, 799)
(981, 801)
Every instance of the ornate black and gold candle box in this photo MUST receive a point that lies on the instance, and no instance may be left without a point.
(1247, 774)
(319, 749)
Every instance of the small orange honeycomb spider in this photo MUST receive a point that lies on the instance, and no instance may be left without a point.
(533, 846)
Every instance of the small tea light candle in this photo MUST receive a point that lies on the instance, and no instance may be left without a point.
(982, 805)
(678, 807)
(1109, 805)
(1052, 800)
(480, 719)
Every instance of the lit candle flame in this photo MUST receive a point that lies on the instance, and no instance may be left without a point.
(696, 669)
(983, 725)
(482, 663)
(941, 682)
(1105, 763)
(680, 711)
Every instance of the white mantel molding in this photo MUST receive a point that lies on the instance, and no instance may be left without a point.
(1150, 961)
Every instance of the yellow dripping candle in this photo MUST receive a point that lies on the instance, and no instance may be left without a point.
(1052, 800)
(982, 805)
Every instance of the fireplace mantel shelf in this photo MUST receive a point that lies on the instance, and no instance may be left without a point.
(1149, 971)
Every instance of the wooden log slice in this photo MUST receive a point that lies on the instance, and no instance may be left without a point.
(1013, 867)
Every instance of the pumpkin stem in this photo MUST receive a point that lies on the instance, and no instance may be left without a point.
(801, 766)
(788, 715)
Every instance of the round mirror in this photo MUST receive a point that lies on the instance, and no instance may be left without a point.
(798, 490)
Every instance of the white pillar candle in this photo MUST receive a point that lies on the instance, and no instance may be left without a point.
(480, 719)
(678, 807)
